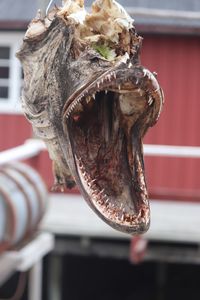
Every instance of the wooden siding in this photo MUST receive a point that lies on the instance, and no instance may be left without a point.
(14, 130)
(176, 60)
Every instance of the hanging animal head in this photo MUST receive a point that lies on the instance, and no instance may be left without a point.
(90, 99)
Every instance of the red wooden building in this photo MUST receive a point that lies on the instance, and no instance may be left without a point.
(171, 47)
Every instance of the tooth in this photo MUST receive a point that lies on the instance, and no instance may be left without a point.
(104, 197)
(119, 87)
(94, 193)
(94, 96)
(80, 160)
(106, 92)
(98, 85)
(88, 99)
(102, 191)
(150, 101)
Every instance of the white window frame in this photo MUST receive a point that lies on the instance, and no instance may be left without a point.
(13, 40)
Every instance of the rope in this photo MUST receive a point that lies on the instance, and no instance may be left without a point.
(49, 5)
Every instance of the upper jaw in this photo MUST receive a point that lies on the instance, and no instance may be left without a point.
(121, 78)
(102, 81)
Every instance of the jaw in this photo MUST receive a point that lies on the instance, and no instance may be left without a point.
(105, 123)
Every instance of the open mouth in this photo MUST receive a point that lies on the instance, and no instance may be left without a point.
(106, 121)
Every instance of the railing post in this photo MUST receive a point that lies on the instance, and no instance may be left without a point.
(35, 282)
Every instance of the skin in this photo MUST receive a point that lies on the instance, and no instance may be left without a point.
(92, 114)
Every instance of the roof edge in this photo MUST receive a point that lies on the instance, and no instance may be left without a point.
(13, 25)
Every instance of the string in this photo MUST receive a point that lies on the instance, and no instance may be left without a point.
(49, 5)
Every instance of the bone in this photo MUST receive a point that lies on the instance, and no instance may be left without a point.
(36, 28)
(73, 10)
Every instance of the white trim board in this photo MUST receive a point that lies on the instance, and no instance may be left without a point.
(170, 220)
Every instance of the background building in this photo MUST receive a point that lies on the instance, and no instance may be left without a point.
(171, 47)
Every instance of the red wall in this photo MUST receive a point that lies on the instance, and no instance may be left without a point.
(176, 60)
(14, 130)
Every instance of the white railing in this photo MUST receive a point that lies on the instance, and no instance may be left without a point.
(33, 147)
(172, 151)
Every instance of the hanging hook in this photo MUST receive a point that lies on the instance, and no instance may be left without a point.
(49, 5)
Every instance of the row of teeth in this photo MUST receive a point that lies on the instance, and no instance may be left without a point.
(107, 79)
(102, 201)
(88, 98)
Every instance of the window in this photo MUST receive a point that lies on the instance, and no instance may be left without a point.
(4, 72)
(10, 72)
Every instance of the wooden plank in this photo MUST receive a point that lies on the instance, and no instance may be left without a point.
(170, 221)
